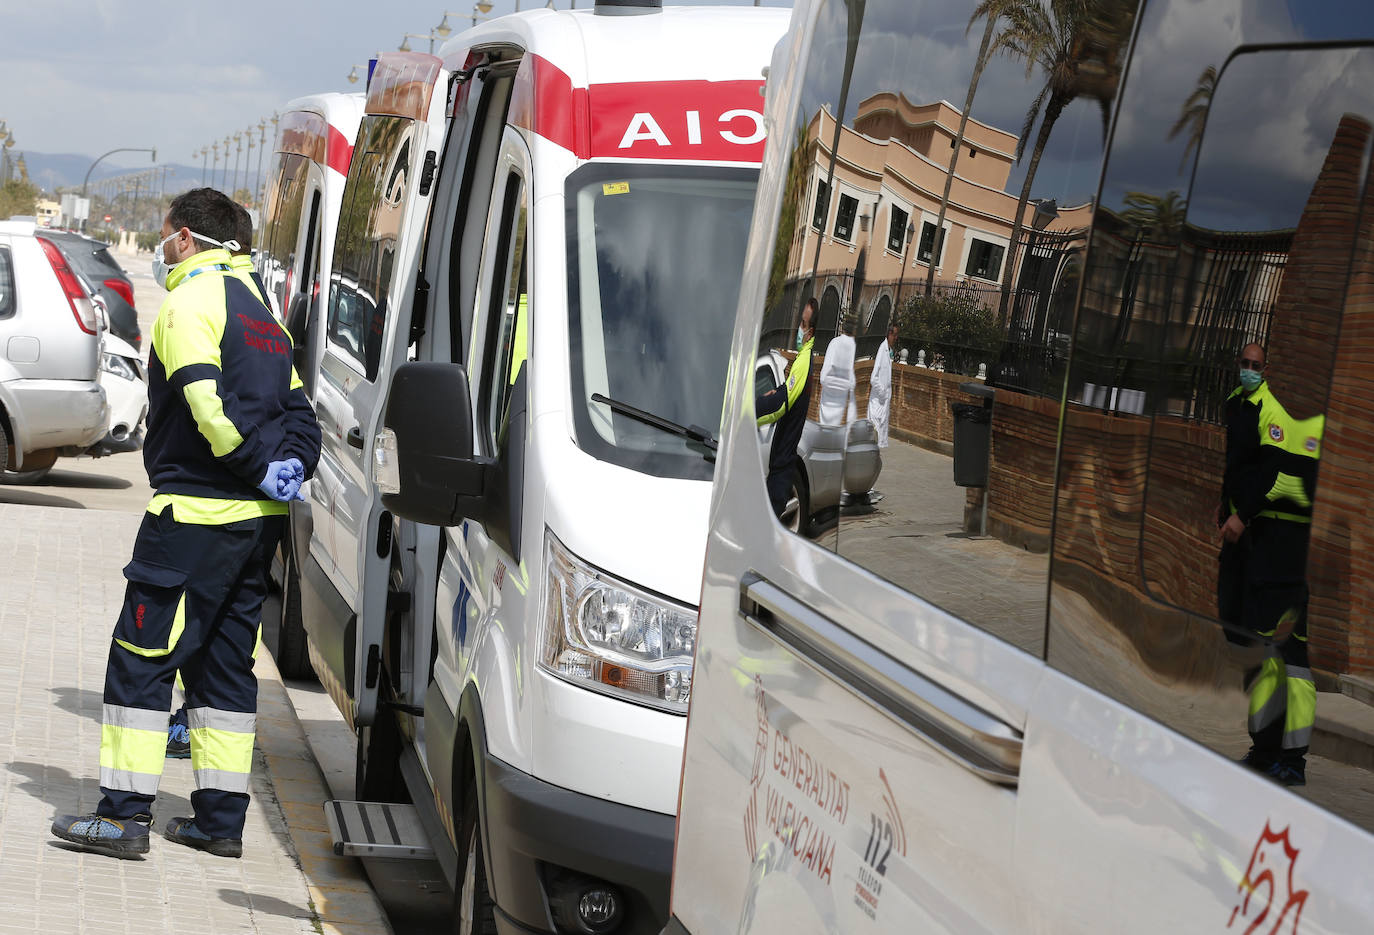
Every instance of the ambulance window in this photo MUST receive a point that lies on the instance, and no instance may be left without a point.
(655, 258)
(369, 233)
(508, 311)
(1207, 543)
(349, 307)
(282, 227)
(928, 482)
(7, 302)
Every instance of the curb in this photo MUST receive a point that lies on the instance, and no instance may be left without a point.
(340, 894)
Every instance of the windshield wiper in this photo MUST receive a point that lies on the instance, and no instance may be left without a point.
(693, 432)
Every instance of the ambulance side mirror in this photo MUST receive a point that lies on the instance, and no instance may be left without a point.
(423, 461)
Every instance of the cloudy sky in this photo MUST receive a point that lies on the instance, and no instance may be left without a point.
(86, 76)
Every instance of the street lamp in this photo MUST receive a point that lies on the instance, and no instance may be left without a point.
(87, 179)
(353, 75)
(248, 160)
(906, 250)
(238, 159)
(257, 176)
(224, 176)
(405, 44)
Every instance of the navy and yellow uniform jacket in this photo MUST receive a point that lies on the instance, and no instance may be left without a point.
(1271, 459)
(787, 405)
(242, 265)
(223, 398)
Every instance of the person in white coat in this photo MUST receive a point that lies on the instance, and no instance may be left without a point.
(880, 386)
(837, 379)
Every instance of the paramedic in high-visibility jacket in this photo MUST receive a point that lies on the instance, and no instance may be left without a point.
(787, 405)
(230, 438)
(1265, 520)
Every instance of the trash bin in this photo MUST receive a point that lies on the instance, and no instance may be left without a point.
(972, 438)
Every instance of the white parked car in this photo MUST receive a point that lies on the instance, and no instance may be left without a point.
(51, 402)
(125, 380)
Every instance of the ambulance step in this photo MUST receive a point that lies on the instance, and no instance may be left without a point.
(377, 829)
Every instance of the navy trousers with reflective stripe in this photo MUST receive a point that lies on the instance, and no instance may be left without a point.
(193, 602)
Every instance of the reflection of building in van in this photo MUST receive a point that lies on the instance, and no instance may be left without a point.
(872, 240)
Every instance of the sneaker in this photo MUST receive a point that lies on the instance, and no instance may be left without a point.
(113, 837)
(1259, 762)
(1288, 774)
(178, 742)
(184, 831)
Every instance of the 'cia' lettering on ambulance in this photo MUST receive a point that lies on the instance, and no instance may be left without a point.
(645, 127)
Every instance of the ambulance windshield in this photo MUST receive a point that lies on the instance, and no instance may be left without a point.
(655, 257)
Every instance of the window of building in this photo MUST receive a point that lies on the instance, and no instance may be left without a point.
(844, 217)
(927, 245)
(896, 229)
(822, 207)
(984, 259)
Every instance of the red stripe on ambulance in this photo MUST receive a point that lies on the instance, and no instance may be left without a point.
(716, 121)
(340, 151)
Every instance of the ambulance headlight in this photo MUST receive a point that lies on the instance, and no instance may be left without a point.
(609, 636)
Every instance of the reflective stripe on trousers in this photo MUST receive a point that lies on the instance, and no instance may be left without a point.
(133, 745)
(1283, 694)
(221, 748)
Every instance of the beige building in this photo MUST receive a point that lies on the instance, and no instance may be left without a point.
(47, 212)
(889, 177)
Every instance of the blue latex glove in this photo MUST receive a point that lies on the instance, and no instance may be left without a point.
(283, 480)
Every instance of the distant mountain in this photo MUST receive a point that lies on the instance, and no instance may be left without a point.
(53, 170)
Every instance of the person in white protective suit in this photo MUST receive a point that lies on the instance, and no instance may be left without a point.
(880, 386)
(837, 378)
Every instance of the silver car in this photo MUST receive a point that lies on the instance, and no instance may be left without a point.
(51, 401)
(836, 459)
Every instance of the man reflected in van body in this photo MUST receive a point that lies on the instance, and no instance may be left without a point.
(1264, 519)
(787, 405)
(837, 377)
(880, 386)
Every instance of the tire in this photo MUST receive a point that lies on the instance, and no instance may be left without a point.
(4, 446)
(796, 516)
(291, 653)
(474, 912)
(24, 478)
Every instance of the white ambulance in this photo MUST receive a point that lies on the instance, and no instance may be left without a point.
(294, 251)
(525, 343)
(1001, 698)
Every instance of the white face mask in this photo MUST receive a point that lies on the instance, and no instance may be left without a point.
(160, 267)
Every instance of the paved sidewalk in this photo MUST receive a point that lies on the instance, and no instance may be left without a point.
(60, 590)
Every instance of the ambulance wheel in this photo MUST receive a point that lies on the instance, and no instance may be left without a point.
(291, 653)
(474, 912)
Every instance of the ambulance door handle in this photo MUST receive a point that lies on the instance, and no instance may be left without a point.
(978, 741)
(355, 437)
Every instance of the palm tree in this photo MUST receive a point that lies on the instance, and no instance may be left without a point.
(1160, 215)
(989, 10)
(1078, 45)
(1193, 116)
